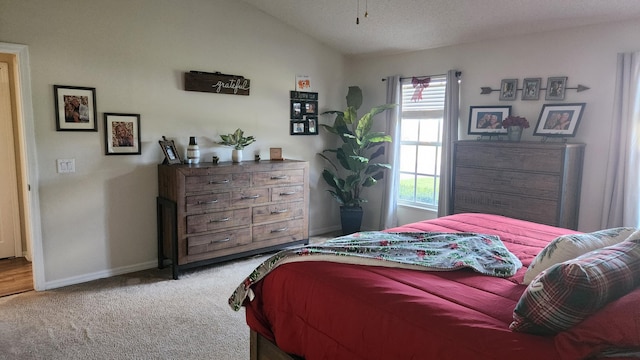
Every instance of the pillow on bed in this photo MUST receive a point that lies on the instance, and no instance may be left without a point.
(567, 293)
(617, 325)
(568, 247)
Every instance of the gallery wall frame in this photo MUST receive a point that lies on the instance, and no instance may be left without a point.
(531, 88)
(508, 89)
(122, 134)
(75, 108)
(556, 88)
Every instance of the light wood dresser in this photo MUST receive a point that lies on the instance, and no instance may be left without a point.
(209, 213)
(533, 181)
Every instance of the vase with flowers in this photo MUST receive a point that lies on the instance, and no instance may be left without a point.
(514, 126)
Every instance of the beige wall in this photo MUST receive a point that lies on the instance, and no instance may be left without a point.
(101, 220)
(586, 55)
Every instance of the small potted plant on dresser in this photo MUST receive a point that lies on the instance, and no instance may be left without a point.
(352, 163)
(238, 141)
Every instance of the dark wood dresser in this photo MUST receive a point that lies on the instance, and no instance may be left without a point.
(209, 213)
(533, 181)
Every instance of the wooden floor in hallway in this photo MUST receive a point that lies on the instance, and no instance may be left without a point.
(15, 276)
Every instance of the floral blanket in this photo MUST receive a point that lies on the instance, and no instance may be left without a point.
(430, 251)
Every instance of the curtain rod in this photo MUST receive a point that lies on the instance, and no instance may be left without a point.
(458, 73)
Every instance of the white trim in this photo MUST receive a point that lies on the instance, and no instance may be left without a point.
(101, 275)
(34, 240)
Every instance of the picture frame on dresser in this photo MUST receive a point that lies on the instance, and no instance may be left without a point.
(559, 120)
(171, 155)
(487, 120)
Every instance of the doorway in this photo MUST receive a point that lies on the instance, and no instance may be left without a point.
(23, 213)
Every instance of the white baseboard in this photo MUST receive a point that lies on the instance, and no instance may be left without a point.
(99, 275)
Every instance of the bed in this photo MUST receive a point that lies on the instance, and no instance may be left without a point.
(333, 310)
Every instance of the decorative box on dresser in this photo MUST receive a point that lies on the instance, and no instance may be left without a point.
(532, 181)
(209, 213)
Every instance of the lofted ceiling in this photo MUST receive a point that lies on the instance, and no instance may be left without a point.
(395, 26)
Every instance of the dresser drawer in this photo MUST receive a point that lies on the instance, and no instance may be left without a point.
(282, 211)
(519, 207)
(290, 230)
(214, 182)
(510, 158)
(283, 177)
(220, 240)
(215, 201)
(218, 220)
(248, 197)
(502, 181)
(287, 193)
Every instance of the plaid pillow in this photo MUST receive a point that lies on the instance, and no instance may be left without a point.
(567, 293)
(571, 246)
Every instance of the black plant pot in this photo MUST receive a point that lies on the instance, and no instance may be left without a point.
(351, 219)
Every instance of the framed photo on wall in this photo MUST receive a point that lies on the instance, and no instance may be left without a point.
(75, 108)
(559, 120)
(508, 89)
(531, 88)
(487, 120)
(122, 134)
(556, 87)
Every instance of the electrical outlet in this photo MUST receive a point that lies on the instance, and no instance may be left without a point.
(66, 166)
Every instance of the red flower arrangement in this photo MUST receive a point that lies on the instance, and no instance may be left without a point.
(515, 121)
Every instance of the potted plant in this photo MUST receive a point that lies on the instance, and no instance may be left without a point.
(514, 126)
(238, 141)
(352, 162)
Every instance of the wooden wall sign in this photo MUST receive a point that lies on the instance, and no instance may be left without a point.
(216, 83)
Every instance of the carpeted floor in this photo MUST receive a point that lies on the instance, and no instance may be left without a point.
(143, 315)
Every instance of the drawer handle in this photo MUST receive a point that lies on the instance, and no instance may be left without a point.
(287, 193)
(279, 211)
(280, 230)
(225, 181)
(219, 220)
(243, 197)
(219, 241)
(207, 202)
(280, 177)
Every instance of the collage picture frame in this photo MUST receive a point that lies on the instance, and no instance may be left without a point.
(303, 113)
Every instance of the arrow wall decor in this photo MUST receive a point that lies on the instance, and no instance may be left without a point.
(487, 90)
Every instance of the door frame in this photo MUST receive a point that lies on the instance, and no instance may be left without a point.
(27, 149)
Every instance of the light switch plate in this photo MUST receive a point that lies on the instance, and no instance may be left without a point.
(66, 166)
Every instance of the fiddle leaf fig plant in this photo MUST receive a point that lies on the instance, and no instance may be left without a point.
(353, 163)
(237, 140)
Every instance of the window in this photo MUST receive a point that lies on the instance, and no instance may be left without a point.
(421, 143)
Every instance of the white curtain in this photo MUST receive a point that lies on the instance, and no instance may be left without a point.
(449, 135)
(389, 210)
(622, 185)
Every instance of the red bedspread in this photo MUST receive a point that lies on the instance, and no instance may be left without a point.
(322, 310)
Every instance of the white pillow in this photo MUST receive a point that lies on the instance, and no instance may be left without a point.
(569, 247)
